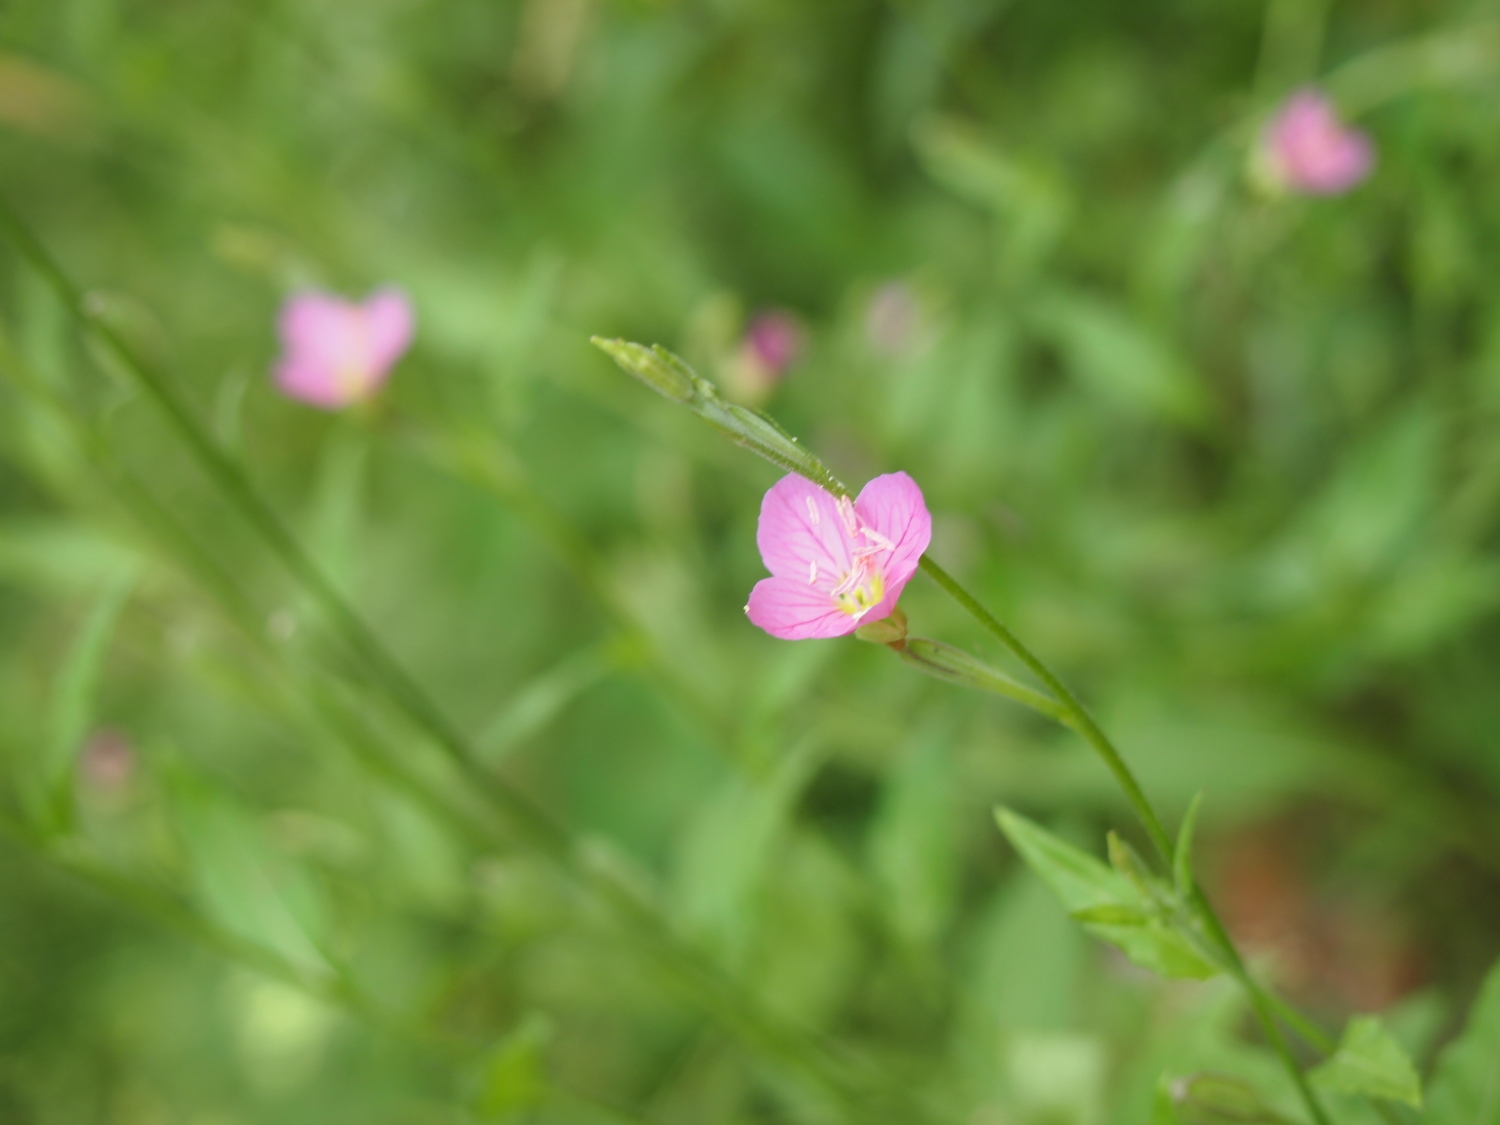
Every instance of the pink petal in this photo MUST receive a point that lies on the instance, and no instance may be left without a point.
(312, 383)
(794, 611)
(388, 326)
(892, 505)
(1313, 150)
(335, 352)
(800, 526)
(314, 323)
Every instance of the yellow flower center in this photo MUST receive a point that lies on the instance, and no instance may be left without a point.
(862, 589)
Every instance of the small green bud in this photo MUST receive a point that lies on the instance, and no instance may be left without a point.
(663, 372)
(1217, 1099)
(887, 631)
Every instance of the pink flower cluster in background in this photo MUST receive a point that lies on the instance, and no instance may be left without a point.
(836, 563)
(337, 352)
(1308, 149)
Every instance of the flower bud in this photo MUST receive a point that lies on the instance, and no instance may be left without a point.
(1218, 1099)
(659, 369)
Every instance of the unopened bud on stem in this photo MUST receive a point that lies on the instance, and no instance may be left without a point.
(654, 367)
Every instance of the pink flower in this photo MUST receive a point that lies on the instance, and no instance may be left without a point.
(1308, 149)
(772, 343)
(107, 762)
(337, 352)
(774, 340)
(836, 563)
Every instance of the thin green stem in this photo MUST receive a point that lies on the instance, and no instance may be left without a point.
(954, 666)
(1075, 715)
(1077, 718)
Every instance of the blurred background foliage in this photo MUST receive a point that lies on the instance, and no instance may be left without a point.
(1227, 459)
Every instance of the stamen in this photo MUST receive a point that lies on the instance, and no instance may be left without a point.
(846, 513)
(812, 573)
(812, 511)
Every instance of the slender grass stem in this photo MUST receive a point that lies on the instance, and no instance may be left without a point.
(1075, 716)
(826, 1069)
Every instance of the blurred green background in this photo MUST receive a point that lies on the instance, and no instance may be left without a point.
(1228, 460)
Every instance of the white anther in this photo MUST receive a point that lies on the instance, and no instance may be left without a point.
(812, 511)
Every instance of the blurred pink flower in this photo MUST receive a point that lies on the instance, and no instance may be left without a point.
(774, 340)
(836, 563)
(1308, 149)
(107, 762)
(337, 352)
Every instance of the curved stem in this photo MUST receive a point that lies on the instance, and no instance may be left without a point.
(1077, 718)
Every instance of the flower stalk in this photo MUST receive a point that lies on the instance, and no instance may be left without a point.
(942, 661)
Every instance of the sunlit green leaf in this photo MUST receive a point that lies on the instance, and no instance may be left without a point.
(1370, 1063)
(1112, 907)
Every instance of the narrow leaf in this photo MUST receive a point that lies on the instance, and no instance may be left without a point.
(1370, 1063)
(73, 701)
(1076, 877)
(1113, 914)
(1182, 858)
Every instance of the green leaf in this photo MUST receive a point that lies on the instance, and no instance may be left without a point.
(73, 703)
(240, 881)
(1370, 1063)
(1465, 1087)
(515, 1078)
(1076, 877)
(1182, 858)
(1112, 907)
(1120, 359)
(1158, 946)
(1113, 914)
